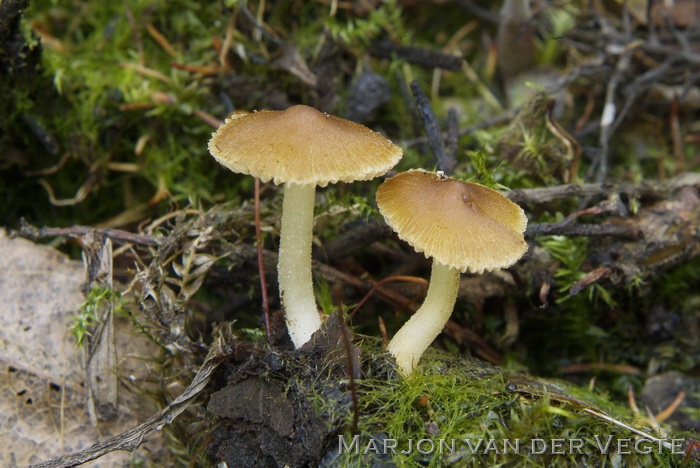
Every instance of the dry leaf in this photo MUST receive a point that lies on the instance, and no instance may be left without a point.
(42, 400)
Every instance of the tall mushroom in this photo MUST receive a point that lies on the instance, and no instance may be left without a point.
(462, 226)
(301, 148)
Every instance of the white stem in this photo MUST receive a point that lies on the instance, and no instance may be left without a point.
(294, 265)
(411, 341)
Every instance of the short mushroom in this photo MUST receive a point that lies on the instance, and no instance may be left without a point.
(301, 148)
(462, 226)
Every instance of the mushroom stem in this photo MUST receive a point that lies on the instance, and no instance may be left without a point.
(411, 341)
(294, 265)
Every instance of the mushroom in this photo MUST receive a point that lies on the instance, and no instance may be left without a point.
(301, 148)
(462, 226)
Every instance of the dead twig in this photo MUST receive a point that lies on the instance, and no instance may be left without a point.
(260, 27)
(411, 279)
(655, 189)
(610, 114)
(480, 12)
(124, 237)
(416, 55)
(496, 120)
(444, 162)
(582, 230)
(591, 278)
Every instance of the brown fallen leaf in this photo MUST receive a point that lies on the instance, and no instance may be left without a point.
(42, 399)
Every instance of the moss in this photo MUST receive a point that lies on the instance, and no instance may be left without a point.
(92, 99)
(452, 403)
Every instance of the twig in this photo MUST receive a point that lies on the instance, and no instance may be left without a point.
(45, 137)
(640, 84)
(410, 106)
(479, 12)
(98, 347)
(609, 114)
(573, 149)
(411, 279)
(34, 233)
(592, 277)
(671, 408)
(582, 230)
(145, 71)
(605, 417)
(416, 55)
(476, 343)
(655, 189)
(610, 205)
(258, 26)
(499, 119)
(444, 162)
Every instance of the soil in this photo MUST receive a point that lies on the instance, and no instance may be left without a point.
(282, 408)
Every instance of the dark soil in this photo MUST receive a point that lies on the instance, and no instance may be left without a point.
(277, 407)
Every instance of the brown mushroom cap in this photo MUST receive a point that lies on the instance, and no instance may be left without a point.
(459, 224)
(303, 146)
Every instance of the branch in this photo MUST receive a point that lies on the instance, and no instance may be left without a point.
(445, 162)
(655, 189)
(34, 233)
(416, 55)
(586, 230)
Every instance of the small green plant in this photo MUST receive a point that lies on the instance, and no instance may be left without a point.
(486, 176)
(89, 316)
(364, 206)
(325, 297)
(532, 144)
(571, 253)
(361, 31)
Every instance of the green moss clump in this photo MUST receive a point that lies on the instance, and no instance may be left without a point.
(460, 412)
